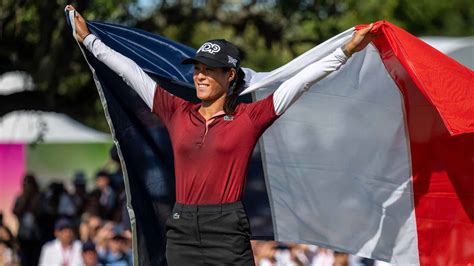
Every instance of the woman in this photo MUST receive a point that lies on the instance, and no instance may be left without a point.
(29, 210)
(213, 141)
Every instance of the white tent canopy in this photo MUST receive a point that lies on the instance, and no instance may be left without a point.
(15, 81)
(460, 49)
(49, 127)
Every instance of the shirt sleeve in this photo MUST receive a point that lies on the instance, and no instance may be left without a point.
(290, 90)
(165, 104)
(123, 66)
(262, 113)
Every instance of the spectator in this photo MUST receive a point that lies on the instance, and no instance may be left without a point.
(64, 250)
(102, 200)
(79, 195)
(28, 210)
(324, 257)
(302, 254)
(264, 252)
(116, 176)
(67, 207)
(6, 236)
(89, 227)
(8, 246)
(89, 254)
(117, 250)
(341, 259)
(104, 234)
(285, 255)
(52, 211)
(7, 255)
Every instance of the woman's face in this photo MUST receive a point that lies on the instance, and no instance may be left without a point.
(211, 83)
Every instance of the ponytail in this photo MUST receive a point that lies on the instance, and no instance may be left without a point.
(236, 87)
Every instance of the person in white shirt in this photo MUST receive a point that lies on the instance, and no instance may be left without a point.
(64, 250)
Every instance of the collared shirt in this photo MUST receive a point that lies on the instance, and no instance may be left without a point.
(211, 157)
(53, 254)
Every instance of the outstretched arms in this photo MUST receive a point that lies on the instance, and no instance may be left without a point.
(290, 90)
(126, 68)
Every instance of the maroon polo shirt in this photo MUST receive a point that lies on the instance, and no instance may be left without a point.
(211, 159)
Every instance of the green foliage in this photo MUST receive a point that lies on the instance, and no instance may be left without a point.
(34, 36)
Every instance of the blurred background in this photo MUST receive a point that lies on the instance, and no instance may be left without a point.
(56, 154)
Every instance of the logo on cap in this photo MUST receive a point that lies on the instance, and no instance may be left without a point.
(232, 60)
(208, 47)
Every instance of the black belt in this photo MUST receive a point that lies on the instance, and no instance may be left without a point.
(179, 207)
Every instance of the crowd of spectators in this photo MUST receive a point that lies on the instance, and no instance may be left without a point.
(66, 224)
(272, 253)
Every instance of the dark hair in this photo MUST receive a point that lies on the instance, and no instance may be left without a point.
(30, 181)
(236, 87)
(88, 246)
(102, 173)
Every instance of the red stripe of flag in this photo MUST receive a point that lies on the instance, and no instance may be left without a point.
(439, 104)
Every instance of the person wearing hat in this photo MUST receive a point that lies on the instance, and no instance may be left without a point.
(89, 254)
(213, 141)
(116, 253)
(64, 250)
(102, 200)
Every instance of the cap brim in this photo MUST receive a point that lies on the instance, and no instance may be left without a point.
(118, 237)
(62, 227)
(204, 60)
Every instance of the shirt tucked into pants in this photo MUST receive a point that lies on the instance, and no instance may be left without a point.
(215, 234)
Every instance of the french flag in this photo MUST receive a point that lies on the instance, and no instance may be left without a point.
(376, 159)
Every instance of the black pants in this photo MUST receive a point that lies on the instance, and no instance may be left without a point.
(208, 235)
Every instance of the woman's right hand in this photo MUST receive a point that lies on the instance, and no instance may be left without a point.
(81, 26)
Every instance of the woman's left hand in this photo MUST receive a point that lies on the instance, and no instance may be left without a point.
(360, 40)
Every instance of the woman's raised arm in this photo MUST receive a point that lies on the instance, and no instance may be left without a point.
(290, 90)
(123, 66)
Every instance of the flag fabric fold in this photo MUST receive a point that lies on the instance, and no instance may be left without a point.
(377, 159)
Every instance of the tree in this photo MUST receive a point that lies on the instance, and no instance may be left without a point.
(34, 37)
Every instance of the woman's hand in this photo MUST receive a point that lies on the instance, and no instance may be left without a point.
(360, 40)
(81, 26)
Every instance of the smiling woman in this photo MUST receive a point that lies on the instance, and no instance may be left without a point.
(211, 83)
(213, 141)
(217, 76)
